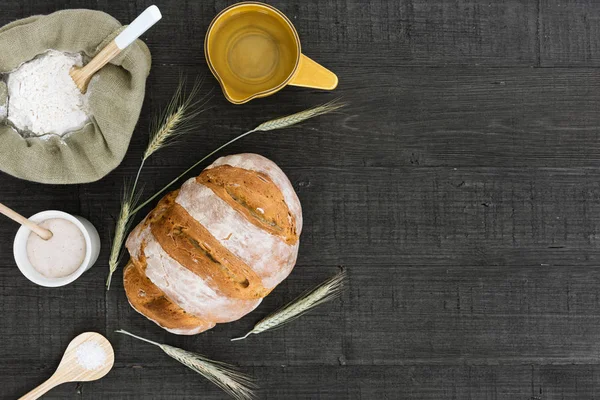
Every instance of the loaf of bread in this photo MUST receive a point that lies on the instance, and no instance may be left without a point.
(210, 251)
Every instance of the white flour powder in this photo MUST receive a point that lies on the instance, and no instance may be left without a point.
(42, 97)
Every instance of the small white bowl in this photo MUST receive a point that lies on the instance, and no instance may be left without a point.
(92, 249)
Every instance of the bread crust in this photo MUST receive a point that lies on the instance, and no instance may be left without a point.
(209, 252)
(151, 302)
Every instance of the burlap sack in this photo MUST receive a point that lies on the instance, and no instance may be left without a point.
(116, 96)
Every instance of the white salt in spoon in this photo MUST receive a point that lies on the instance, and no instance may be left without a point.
(82, 75)
(88, 357)
(15, 216)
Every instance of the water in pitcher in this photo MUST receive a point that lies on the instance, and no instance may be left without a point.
(259, 50)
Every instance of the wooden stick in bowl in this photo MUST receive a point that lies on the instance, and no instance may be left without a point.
(15, 216)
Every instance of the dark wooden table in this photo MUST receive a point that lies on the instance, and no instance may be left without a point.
(461, 189)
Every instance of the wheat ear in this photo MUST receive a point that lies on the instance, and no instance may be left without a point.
(324, 292)
(238, 385)
(122, 226)
(290, 120)
(177, 118)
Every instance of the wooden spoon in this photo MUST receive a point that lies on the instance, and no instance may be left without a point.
(71, 370)
(82, 75)
(15, 216)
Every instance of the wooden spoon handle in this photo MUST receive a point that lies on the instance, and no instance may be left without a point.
(41, 232)
(43, 388)
(109, 52)
(140, 25)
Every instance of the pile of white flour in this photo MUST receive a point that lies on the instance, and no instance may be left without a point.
(42, 97)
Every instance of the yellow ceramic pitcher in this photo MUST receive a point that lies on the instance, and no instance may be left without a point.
(254, 51)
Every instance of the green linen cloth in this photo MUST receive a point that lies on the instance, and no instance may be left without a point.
(116, 94)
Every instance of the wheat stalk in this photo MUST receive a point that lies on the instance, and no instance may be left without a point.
(175, 120)
(324, 292)
(238, 385)
(278, 123)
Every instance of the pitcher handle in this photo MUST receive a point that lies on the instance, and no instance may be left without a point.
(313, 75)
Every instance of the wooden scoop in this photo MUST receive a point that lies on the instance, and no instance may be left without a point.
(15, 216)
(82, 75)
(70, 369)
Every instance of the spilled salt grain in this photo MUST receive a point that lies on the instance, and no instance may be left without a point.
(90, 355)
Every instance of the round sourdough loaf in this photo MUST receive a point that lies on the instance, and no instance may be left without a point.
(210, 251)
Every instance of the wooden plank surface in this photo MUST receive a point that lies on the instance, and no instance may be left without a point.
(460, 188)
